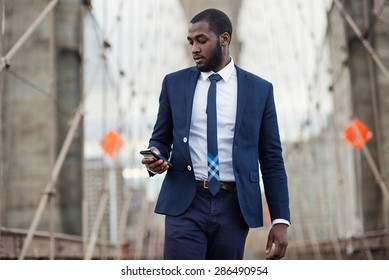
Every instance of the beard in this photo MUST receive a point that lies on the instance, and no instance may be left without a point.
(215, 60)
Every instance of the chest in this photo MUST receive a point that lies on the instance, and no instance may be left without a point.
(226, 103)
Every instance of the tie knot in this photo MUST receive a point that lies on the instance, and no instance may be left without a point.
(215, 77)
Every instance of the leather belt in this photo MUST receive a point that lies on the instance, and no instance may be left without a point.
(228, 186)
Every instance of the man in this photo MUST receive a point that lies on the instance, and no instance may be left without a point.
(211, 193)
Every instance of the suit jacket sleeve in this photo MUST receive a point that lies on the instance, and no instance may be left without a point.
(162, 135)
(272, 164)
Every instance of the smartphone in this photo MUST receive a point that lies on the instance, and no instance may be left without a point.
(153, 154)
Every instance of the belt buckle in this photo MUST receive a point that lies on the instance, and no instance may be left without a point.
(204, 184)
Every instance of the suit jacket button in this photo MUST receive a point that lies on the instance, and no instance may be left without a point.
(189, 168)
(185, 139)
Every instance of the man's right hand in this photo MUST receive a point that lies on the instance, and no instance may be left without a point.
(157, 167)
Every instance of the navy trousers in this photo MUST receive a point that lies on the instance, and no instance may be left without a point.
(212, 228)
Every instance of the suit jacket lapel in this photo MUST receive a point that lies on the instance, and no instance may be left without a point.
(242, 94)
(190, 90)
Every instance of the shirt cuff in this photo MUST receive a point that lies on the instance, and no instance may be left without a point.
(280, 221)
(152, 172)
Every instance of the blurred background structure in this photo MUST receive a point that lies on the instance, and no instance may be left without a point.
(79, 87)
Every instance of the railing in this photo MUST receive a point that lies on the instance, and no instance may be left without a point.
(370, 246)
(66, 246)
(69, 247)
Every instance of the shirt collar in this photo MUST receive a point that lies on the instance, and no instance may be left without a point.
(225, 73)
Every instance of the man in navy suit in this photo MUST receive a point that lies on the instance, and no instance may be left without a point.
(200, 224)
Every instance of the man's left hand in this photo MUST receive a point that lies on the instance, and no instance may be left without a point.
(279, 237)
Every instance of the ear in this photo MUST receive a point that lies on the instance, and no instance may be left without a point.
(225, 39)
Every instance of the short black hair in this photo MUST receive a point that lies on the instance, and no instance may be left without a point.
(218, 21)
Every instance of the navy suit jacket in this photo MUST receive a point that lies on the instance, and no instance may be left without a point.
(256, 145)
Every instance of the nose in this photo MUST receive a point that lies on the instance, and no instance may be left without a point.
(195, 48)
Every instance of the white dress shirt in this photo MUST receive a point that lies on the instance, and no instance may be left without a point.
(226, 102)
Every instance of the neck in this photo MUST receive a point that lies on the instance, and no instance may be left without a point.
(225, 60)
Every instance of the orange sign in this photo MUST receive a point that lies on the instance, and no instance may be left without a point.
(111, 143)
(356, 133)
(266, 215)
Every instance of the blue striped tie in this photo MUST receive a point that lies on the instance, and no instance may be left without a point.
(213, 158)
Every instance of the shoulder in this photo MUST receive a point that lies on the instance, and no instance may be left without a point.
(252, 77)
(182, 73)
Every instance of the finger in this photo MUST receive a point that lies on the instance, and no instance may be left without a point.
(270, 253)
(155, 164)
(269, 245)
(146, 160)
(163, 167)
(279, 251)
(282, 252)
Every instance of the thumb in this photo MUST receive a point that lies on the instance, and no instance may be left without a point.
(269, 244)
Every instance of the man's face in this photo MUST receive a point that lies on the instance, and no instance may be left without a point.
(206, 47)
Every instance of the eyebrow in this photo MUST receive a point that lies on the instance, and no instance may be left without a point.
(197, 36)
